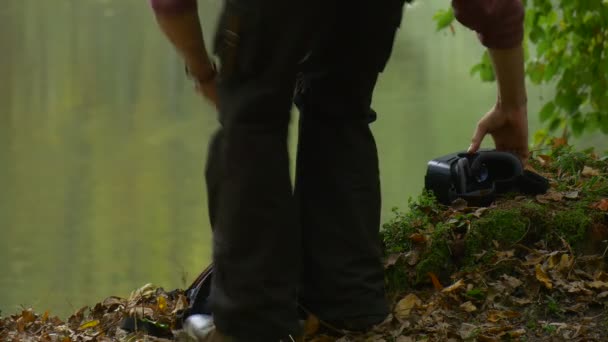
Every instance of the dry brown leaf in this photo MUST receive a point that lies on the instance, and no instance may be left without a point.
(311, 326)
(601, 205)
(418, 238)
(533, 260)
(141, 312)
(468, 307)
(602, 295)
(404, 339)
(479, 212)
(544, 160)
(436, 284)
(521, 301)
(457, 285)
(405, 306)
(590, 172)
(598, 285)
(392, 259)
(459, 204)
(550, 196)
(413, 256)
(517, 333)
(496, 315)
(512, 281)
(542, 277)
(466, 330)
(602, 276)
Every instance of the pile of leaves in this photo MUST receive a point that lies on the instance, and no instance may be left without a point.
(154, 309)
(524, 269)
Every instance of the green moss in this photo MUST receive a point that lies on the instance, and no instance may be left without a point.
(437, 259)
(396, 233)
(571, 224)
(506, 226)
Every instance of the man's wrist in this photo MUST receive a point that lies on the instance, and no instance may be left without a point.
(201, 75)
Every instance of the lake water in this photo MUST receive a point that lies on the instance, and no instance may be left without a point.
(103, 143)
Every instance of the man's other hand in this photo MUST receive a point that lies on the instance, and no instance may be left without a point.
(508, 126)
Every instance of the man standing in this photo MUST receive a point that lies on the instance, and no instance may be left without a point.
(318, 243)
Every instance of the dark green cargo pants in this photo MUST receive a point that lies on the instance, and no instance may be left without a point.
(317, 243)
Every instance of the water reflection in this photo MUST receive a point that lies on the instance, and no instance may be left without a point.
(102, 144)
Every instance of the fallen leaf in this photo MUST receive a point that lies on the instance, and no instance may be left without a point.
(597, 285)
(495, 315)
(542, 277)
(565, 263)
(457, 285)
(468, 306)
(571, 194)
(602, 295)
(544, 160)
(412, 257)
(88, 325)
(392, 259)
(550, 196)
(533, 260)
(404, 339)
(436, 284)
(459, 204)
(602, 276)
(590, 172)
(601, 205)
(479, 212)
(517, 333)
(418, 238)
(161, 303)
(311, 326)
(521, 301)
(467, 330)
(405, 306)
(512, 281)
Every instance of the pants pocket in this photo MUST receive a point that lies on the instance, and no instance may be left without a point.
(237, 40)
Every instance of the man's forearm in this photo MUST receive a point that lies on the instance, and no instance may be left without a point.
(181, 25)
(509, 69)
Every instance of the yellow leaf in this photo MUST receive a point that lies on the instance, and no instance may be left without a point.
(457, 285)
(405, 305)
(590, 172)
(161, 303)
(468, 307)
(543, 278)
(598, 285)
(565, 263)
(88, 325)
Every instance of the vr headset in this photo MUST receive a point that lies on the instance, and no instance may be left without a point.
(478, 178)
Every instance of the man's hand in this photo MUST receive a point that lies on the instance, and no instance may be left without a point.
(207, 90)
(508, 126)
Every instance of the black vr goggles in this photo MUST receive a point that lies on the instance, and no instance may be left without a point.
(478, 178)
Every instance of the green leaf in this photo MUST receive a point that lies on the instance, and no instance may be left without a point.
(444, 18)
(555, 124)
(547, 112)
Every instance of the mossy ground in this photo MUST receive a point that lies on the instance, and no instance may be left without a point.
(524, 269)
